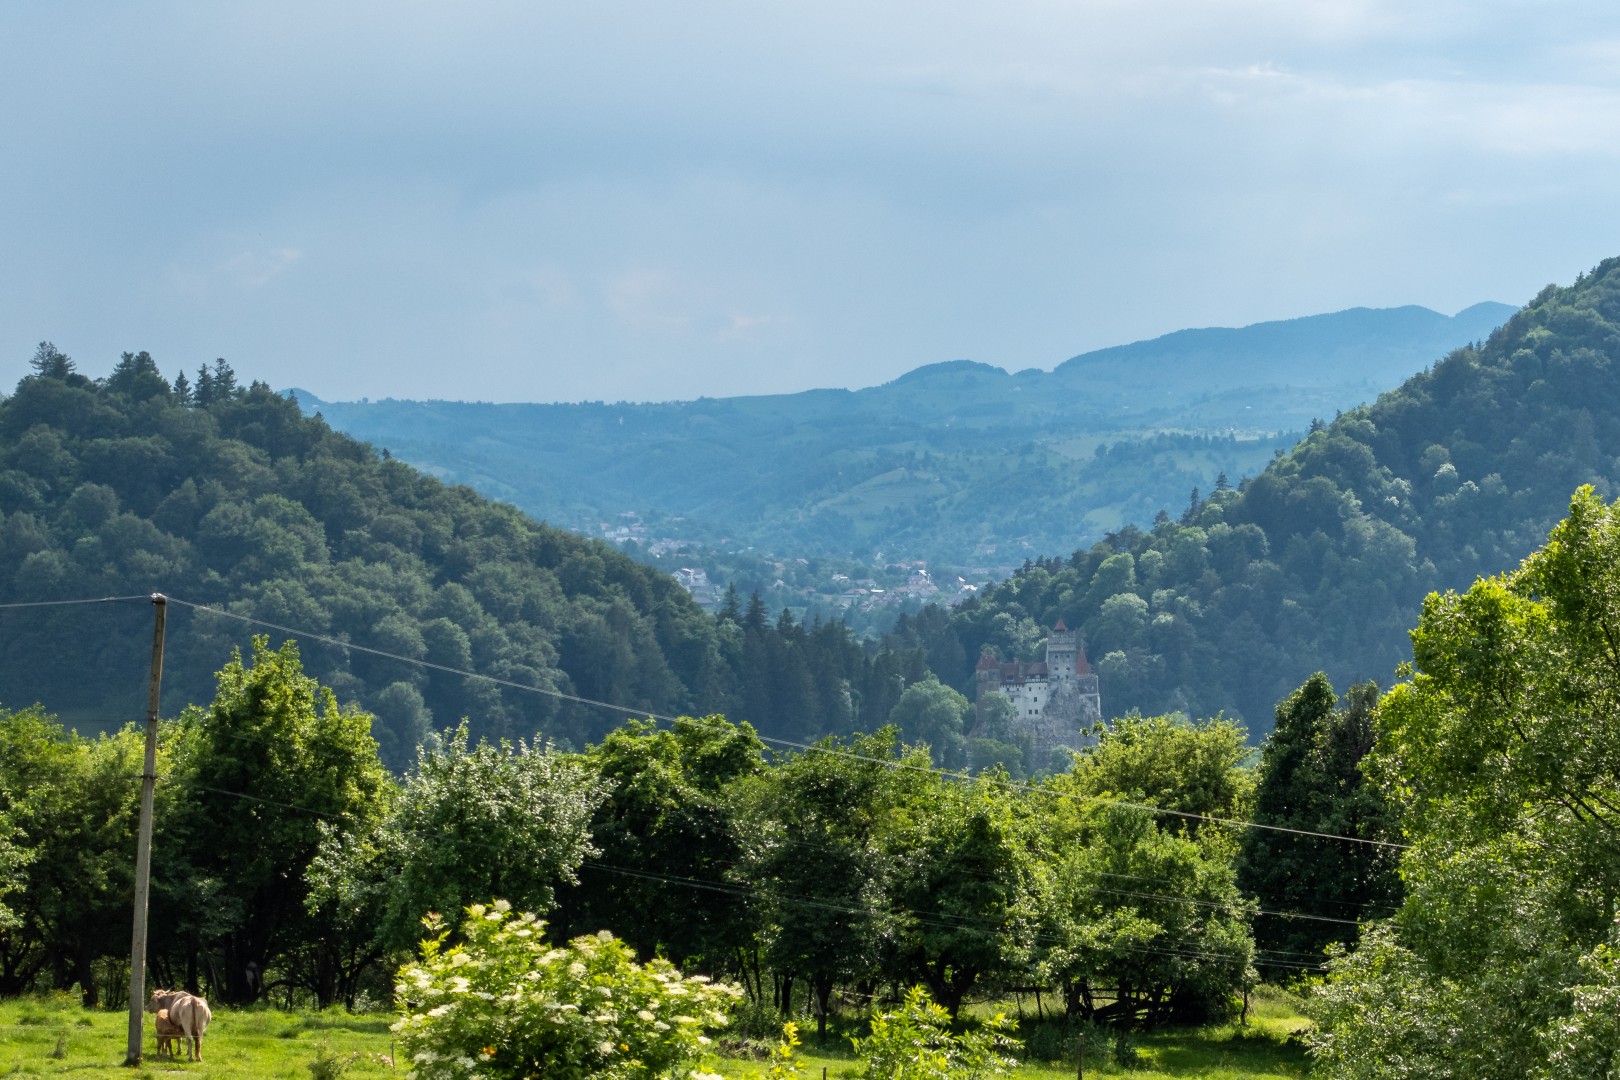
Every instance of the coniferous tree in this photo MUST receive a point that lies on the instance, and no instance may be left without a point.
(203, 395)
(1310, 778)
(136, 376)
(225, 386)
(49, 362)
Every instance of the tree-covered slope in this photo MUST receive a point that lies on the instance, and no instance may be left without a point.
(229, 496)
(1321, 561)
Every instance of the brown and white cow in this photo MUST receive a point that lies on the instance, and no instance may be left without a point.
(187, 1013)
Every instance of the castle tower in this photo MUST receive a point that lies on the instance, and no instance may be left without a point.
(1062, 649)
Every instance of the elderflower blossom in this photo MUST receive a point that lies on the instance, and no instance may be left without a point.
(589, 999)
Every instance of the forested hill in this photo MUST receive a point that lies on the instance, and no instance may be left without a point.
(1321, 561)
(223, 495)
(959, 463)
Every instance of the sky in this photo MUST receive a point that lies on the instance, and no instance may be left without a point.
(614, 200)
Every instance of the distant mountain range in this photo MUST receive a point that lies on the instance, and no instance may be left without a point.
(956, 462)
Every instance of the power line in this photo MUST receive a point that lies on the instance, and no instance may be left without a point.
(802, 747)
(930, 918)
(144, 597)
(735, 865)
(624, 710)
(510, 684)
(802, 843)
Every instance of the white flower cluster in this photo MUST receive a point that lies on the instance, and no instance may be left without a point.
(502, 1002)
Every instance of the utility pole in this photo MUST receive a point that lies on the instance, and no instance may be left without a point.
(143, 843)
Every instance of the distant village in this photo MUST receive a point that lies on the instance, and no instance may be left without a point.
(825, 586)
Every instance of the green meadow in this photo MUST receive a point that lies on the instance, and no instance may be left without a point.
(56, 1037)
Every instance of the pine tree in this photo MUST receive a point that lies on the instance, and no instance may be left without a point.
(203, 395)
(225, 386)
(49, 362)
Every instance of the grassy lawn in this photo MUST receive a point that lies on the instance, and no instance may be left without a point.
(53, 1037)
(58, 1038)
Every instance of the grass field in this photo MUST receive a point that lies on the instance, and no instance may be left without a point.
(55, 1037)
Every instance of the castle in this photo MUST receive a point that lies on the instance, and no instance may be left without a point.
(1055, 703)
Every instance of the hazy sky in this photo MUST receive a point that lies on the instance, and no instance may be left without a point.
(546, 201)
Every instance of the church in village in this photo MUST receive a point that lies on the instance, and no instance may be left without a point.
(1055, 702)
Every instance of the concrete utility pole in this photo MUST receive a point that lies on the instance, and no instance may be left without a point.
(143, 844)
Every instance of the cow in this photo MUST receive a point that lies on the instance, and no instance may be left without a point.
(188, 1013)
(166, 1032)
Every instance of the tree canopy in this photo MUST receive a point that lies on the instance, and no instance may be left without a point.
(1502, 750)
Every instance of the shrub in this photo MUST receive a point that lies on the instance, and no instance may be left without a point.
(328, 1063)
(1058, 1038)
(504, 1003)
(916, 1041)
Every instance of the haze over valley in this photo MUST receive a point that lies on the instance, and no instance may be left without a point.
(959, 469)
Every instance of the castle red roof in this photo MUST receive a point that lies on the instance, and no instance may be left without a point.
(1060, 627)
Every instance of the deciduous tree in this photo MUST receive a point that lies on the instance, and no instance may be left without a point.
(1503, 749)
(272, 758)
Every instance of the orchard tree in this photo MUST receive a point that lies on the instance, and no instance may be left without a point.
(70, 805)
(963, 889)
(12, 861)
(1140, 924)
(1142, 919)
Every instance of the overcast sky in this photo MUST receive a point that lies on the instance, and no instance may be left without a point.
(645, 201)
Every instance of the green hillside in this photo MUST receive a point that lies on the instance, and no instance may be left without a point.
(223, 495)
(960, 463)
(1320, 562)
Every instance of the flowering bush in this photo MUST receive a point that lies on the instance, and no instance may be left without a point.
(504, 1003)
